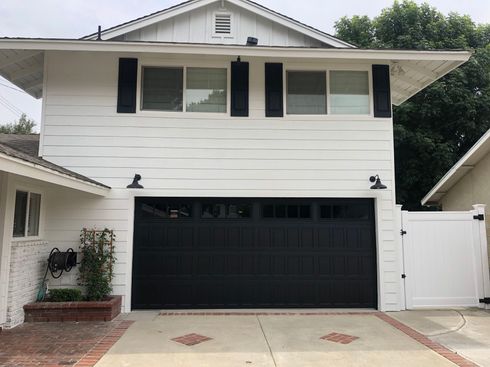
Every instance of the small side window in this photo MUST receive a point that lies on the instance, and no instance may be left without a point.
(27, 214)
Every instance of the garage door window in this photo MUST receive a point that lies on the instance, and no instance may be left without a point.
(286, 211)
(230, 211)
(350, 211)
(165, 211)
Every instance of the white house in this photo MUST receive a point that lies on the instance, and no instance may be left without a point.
(255, 137)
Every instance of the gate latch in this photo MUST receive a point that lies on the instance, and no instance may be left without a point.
(404, 276)
(479, 217)
(402, 232)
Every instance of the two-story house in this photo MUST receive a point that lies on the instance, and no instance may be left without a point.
(255, 137)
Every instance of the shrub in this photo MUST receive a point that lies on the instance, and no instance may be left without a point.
(65, 295)
(97, 263)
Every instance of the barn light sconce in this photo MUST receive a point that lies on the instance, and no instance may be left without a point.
(377, 183)
(252, 41)
(135, 184)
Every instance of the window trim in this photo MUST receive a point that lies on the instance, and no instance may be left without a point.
(184, 65)
(26, 237)
(354, 67)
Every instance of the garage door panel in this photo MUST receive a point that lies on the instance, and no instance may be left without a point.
(296, 256)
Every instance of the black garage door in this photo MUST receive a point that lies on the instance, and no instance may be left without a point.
(242, 253)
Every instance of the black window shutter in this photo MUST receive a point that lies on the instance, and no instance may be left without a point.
(381, 91)
(126, 89)
(273, 90)
(239, 88)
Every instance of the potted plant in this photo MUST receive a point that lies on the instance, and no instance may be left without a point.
(95, 277)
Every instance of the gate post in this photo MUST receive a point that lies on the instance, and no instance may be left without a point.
(480, 210)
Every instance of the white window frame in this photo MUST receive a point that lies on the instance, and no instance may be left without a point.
(328, 116)
(184, 65)
(26, 229)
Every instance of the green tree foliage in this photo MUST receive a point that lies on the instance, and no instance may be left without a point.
(437, 126)
(22, 126)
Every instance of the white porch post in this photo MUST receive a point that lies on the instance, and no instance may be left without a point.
(480, 209)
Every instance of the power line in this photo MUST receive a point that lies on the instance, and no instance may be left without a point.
(8, 86)
(10, 105)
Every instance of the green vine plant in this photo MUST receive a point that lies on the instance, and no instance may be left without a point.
(97, 263)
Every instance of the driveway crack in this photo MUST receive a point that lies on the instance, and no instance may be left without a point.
(266, 340)
(461, 326)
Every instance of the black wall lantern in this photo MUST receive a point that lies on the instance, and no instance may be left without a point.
(377, 183)
(135, 184)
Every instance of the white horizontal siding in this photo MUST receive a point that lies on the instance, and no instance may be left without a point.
(193, 155)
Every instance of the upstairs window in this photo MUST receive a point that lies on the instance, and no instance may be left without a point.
(306, 93)
(349, 92)
(205, 91)
(26, 214)
(162, 89)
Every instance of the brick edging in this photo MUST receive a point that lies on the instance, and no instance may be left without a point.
(103, 346)
(422, 339)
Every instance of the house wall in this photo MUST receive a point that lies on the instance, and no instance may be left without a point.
(186, 154)
(472, 188)
(197, 27)
(23, 260)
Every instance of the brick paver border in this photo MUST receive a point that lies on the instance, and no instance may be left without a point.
(422, 339)
(103, 346)
(415, 335)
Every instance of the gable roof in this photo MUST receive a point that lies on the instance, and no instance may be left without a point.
(187, 6)
(26, 147)
(460, 169)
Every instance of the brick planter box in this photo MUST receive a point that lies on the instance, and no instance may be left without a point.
(73, 311)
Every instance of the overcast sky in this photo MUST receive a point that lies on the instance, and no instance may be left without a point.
(76, 18)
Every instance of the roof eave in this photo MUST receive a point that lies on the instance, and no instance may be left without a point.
(34, 171)
(442, 186)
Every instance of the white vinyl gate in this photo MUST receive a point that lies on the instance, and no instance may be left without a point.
(445, 258)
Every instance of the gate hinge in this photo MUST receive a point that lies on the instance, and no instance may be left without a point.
(479, 217)
(404, 276)
(402, 232)
(485, 300)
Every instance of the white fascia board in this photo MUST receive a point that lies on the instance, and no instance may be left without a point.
(441, 185)
(231, 50)
(34, 171)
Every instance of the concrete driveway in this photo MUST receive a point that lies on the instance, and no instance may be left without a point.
(274, 339)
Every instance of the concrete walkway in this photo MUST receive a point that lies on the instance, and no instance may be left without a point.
(272, 340)
(466, 332)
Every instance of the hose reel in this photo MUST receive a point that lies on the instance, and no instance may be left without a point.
(58, 262)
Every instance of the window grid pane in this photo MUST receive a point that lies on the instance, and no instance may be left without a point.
(163, 89)
(34, 214)
(306, 93)
(206, 90)
(20, 214)
(349, 92)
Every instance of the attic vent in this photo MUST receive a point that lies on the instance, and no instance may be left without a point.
(222, 24)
